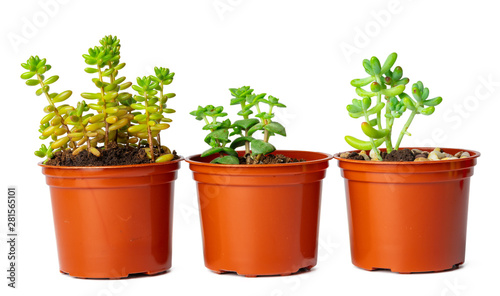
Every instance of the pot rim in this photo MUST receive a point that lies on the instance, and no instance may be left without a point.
(476, 154)
(326, 157)
(128, 166)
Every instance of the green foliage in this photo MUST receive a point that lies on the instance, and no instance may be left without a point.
(118, 116)
(163, 77)
(222, 130)
(148, 124)
(390, 85)
(54, 124)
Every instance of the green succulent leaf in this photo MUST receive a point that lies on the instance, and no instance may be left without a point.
(362, 145)
(261, 147)
(428, 111)
(433, 102)
(221, 134)
(375, 65)
(241, 142)
(62, 96)
(276, 128)
(410, 104)
(228, 159)
(362, 82)
(212, 126)
(257, 127)
(397, 73)
(372, 132)
(368, 67)
(389, 62)
(354, 109)
(363, 93)
(376, 109)
(214, 150)
(394, 91)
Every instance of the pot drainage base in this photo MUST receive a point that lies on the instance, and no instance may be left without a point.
(120, 276)
(301, 270)
(455, 266)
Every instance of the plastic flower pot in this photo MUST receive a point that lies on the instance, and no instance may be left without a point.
(260, 219)
(408, 216)
(113, 221)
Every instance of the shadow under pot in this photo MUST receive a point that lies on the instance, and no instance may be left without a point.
(408, 216)
(260, 219)
(113, 221)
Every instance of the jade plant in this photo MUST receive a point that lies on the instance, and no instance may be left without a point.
(116, 117)
(220, 129)
(387, 88)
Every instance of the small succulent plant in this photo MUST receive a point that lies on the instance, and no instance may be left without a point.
(243, 129)
(118, 116)
(389, 85)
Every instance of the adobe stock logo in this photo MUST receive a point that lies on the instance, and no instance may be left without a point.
(363, 35)
(222, 7)
(31, 26)
(453, 288)
(462, 111)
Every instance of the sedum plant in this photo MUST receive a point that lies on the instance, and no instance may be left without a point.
(149, 124)
(384, 102)
(115, 116)
(220, 130)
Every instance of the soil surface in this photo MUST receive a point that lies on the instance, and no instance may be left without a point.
(354, 156)
(115, 155)
(405, 155)
(269, 159)
(399, 155)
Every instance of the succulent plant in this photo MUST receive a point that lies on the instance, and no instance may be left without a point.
(244, 129)
(390, 85)
(118, 116)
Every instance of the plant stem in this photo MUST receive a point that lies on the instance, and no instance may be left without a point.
(266, 136)
(258, 111)
(389, 122)
(379, 100)
(150, 138)
(106, 132)
(161, 111)
(247, 144)
(266, 132)
(112, 80)
(371, 140)
(206, 121)
(88, 144)
(267, 121)
(405, 128)
(212, 130)
(55, 109)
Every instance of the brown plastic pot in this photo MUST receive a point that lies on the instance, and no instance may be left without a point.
(260, 219)
(113, 221)
(408, 216)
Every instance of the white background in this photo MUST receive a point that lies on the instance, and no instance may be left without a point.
(303, 52)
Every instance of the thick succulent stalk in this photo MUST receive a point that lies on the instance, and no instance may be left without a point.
(389, 122)
(247, 144)
(405, 129)
(372, 142)
(42, 85)
(106, 130)
(111, 80)
(150, 136)
(161, 111)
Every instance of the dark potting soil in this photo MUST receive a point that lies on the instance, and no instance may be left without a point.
(355, 156)
(395, 155)
(269, 159)
(399, 155)
(113, 156)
